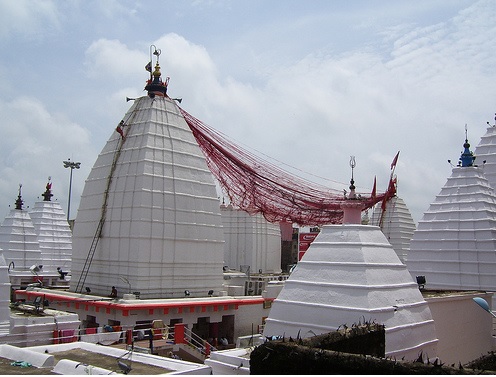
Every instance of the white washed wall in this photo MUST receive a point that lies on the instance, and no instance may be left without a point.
(463, 328)
(251, 241)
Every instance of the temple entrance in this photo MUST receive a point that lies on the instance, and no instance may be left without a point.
(201, 327)
(226, 328)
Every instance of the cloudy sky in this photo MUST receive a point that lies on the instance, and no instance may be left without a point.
(305, 84)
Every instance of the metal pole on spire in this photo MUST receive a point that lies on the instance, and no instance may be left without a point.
(352, 165)
(151, 61)
(155, 52)
(352, 181)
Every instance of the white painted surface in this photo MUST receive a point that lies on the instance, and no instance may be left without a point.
(397, 225)
(54, 235)
(230, 362)
(37, 359)
(463, 328)
(454, 245)
(163, 229)
(176, 366)
(19, 241)
(251, 241)
(486, 151)
(350, 274)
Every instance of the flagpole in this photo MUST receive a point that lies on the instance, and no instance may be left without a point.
(383, 205)
(151, 61)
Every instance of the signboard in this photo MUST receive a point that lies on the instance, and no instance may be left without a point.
(305, 239)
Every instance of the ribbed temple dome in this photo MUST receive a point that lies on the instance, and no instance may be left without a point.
(19, 241)
(350, 273)
(397, 225)
(54, 235)
(455, 241)
(251, 240)
(486, 151)
(162, 229)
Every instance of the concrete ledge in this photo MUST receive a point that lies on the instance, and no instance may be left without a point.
(37, 359)
(69, 367)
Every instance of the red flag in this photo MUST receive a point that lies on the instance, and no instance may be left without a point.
(391, 191)
(395, 160)
(374, 189)
(392, 187)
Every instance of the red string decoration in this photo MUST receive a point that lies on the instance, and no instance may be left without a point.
(257, 186)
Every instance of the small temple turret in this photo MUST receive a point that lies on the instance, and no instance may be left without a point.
(453, 246)
(349, 272)
(18, 239)
(54, 234)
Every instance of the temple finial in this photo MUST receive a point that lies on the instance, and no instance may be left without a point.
(47, 195)
(467, 158)
(19, 202)
(155, 85)
(352, 194)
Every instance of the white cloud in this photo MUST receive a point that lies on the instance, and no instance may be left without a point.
(313, 100)
(28, 18)
(34, 143)
(112, 59)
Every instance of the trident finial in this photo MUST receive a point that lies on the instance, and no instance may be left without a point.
(352, 181)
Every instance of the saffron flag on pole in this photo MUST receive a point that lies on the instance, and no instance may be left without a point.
(395, 160)
(148, 67)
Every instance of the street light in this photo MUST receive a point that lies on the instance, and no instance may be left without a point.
(72, 166)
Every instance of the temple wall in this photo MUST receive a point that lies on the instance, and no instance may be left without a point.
(463, 328)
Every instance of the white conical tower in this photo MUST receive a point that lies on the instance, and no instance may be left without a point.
(18, 239)
(455, 241)
(149, 217)
(486, 154)
(54, 234)
(349, 274)
(251, 240)
(396, 222)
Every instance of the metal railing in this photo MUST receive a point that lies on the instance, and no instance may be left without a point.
(108, 335)
(198, 343)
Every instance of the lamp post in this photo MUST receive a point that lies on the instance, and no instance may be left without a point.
(71, 165)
